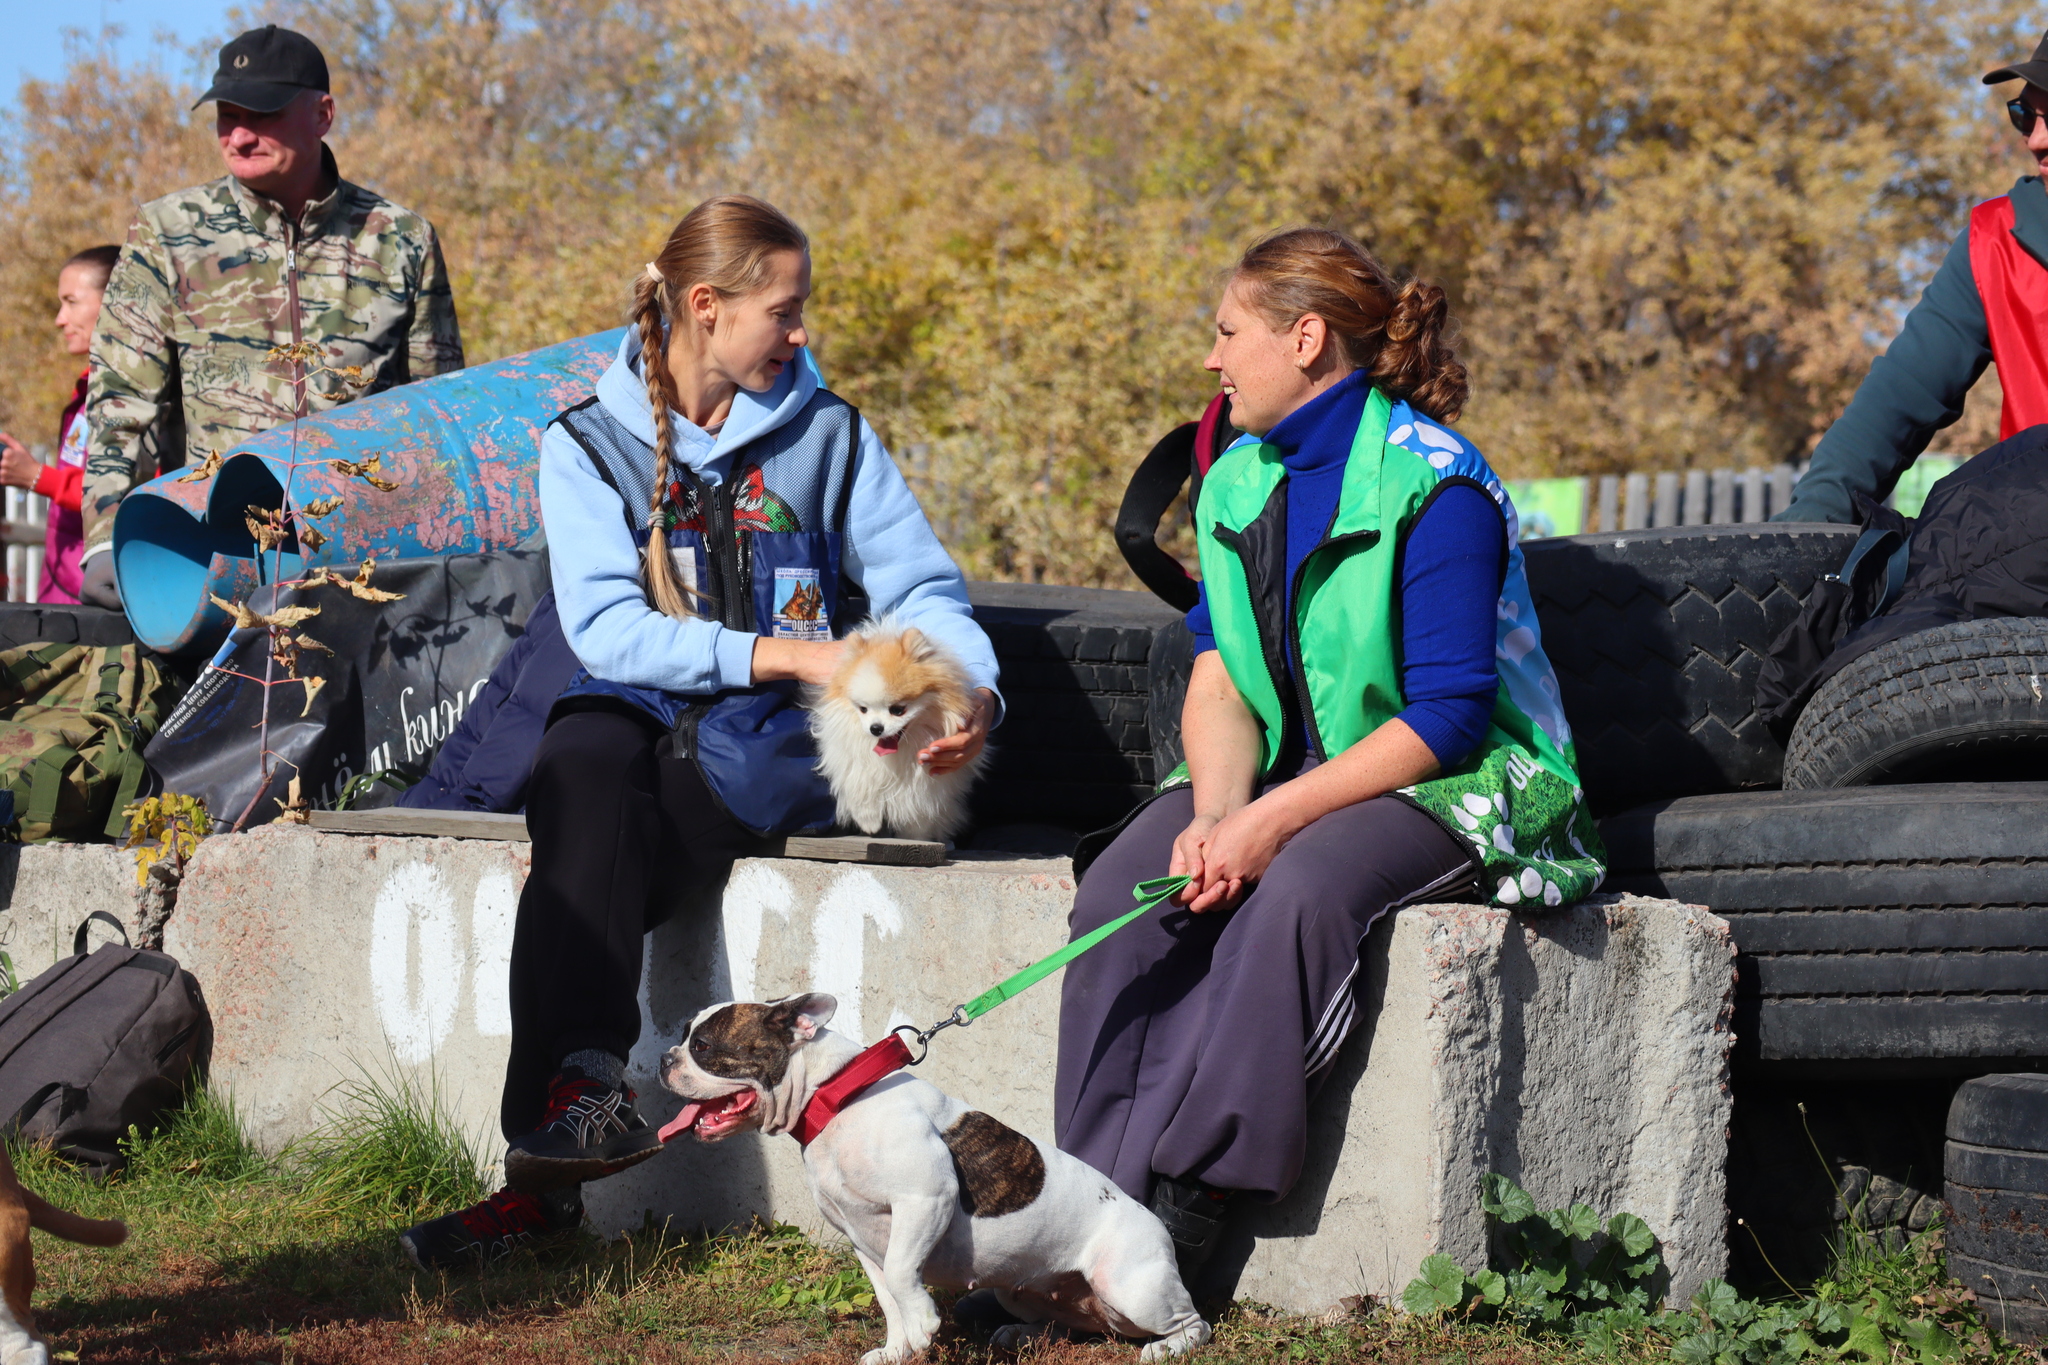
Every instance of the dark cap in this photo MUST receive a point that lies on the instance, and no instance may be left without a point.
(2033, 71)
(265, 69)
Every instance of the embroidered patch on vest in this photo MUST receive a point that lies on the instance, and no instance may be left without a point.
(800, 606)
(1001, 1170)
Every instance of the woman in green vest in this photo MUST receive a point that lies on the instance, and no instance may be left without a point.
(1371, 722)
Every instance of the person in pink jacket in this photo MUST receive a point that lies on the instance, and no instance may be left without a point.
(80, 283)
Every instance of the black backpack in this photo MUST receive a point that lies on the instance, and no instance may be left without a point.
(97, 1043)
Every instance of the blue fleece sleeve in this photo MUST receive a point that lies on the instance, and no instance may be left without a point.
(1913, 390)
(596, 570)
(892, 552)
(1199, 624)
(1451, 566)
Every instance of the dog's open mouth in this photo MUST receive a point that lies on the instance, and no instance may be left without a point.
(710, 1119)
(889, 744)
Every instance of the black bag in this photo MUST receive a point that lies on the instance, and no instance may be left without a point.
(97, 1043)
(399, 681)
(1870, 580)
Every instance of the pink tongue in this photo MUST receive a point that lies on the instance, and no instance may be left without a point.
(680, 1124)
(888, 744)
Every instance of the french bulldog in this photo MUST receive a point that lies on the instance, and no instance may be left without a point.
(931, 1192)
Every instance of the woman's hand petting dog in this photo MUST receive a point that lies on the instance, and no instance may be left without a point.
(960, 747)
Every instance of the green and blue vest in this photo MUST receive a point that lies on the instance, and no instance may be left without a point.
(1516, 798)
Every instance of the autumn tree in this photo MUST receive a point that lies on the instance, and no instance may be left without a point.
(1672, 236)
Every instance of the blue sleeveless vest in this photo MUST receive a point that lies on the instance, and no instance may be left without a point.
(763, 552)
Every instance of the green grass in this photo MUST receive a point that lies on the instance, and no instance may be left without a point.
(235, 1256)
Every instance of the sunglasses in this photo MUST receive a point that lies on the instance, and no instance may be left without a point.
(2022, 115)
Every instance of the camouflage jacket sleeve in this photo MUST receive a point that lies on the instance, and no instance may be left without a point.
(435, 346)
(132, 399)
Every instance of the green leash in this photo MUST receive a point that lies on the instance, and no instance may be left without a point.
(1149, 895)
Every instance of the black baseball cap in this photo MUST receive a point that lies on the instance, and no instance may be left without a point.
(265, 69)
(2033, 71)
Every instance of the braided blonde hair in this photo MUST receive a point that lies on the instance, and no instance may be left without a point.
(726, 243)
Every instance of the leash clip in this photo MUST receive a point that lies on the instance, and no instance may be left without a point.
(959, 1017)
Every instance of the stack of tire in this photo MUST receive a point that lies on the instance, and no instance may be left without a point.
(1998, 1200)
(1889, 903)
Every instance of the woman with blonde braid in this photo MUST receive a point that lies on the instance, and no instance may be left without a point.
(712, 439)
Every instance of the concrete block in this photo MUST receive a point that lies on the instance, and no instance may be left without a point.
(48, 890)
(1582, 1052)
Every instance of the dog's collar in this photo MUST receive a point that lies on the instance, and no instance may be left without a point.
(848, 1084)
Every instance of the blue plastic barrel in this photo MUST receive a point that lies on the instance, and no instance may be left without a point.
(462, 449)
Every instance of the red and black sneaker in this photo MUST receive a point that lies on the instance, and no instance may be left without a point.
(492, 1230)
(589, 1131)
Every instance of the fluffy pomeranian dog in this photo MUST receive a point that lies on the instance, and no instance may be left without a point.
(895, 692)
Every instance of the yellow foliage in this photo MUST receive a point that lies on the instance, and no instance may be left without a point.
(166, 829)
(1672, 236)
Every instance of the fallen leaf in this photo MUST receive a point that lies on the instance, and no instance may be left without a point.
(205, 469)
(366, 470)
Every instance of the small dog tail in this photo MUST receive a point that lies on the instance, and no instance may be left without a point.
(95, 1232)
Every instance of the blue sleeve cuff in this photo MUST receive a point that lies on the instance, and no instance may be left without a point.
(1199, 624)
(1451, 726)
(735, 653)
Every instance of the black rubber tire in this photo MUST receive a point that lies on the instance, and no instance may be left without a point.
(1997, 1168)
(1657, 637)
(1878, 923)
(1960, 703)
(1075, 746)
(25, 623)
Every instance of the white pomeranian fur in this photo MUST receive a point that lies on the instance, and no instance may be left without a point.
(895, 691)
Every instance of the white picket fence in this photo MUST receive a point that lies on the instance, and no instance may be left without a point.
(1695, 497)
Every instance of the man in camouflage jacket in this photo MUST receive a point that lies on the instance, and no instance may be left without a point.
(214, 279)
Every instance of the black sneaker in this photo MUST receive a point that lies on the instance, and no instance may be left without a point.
(980, 1315)
(1194, 1215)
(492, 1230)
(589, 1131)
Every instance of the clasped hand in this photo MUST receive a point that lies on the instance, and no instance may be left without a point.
(1225, 856)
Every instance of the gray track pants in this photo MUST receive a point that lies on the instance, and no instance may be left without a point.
(1189, 1043)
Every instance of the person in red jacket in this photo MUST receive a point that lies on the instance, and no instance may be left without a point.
(1987, 304)
(80, 284)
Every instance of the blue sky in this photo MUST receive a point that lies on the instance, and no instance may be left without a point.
(35, 31)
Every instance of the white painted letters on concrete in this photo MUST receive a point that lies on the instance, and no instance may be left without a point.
(416, 991)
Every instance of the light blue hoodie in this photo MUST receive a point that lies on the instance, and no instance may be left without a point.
(890, 548)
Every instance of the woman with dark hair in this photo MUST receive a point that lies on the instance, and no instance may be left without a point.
(81, 282)
(1371, 721)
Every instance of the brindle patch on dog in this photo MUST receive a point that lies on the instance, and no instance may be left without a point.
(1000, 1169)
(744, 1042)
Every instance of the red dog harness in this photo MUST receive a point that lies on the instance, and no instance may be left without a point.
(848, 1084)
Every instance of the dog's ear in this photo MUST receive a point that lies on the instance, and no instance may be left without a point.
(914, 643)
(802, 1015)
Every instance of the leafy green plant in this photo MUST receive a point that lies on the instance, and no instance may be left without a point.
(1566, 1270)
(362, 784)
(841, 1292)
(9, 982)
